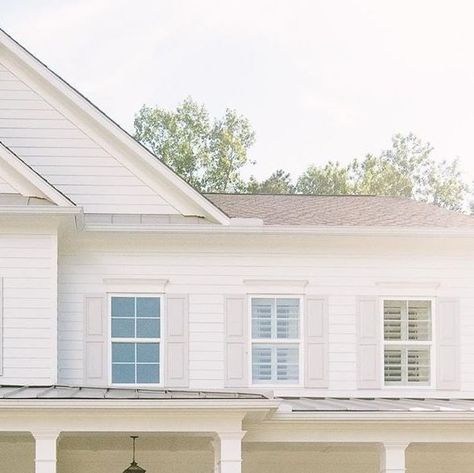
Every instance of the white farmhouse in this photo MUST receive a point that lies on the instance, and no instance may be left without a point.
(231, 333)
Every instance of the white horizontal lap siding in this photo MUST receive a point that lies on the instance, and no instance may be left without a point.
(208, 269)
(6, 188)
(28, 266)
(71, 161)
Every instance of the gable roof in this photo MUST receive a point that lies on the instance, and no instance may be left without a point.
(339, 210)
(136, 157)
(28, 182)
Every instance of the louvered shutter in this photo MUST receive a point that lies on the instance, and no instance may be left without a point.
(236, 341)
(177, 341)
(448, 344)
(95, 341)
(316, 342)
(369, 373)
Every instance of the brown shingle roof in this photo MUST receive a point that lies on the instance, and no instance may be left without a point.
(339, 210)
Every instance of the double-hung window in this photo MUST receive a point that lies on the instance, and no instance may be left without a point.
(136, 339)
(276, 343)
(408, 340)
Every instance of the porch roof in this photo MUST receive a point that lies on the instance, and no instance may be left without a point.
(81, 392)
(334, 405)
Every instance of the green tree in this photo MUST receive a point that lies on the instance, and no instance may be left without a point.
(207, 153)
(278, 183)
(407, 169)
(330, 179)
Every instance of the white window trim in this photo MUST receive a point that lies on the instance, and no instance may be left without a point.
(136, 340)
(284, 341)
(432, 343)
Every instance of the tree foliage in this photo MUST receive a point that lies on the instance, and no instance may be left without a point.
(278, 183)
(210, 154)
(207, 153)
(407, 169)
(330, 179)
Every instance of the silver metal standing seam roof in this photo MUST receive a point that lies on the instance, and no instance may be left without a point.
(319, 405)
(295, 404)
(95, 393)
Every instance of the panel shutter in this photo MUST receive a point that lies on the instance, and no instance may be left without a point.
(1, 326)
(316, 342)
(176, 341)
(448, 344)
(369, 357)
(236, 341)
(95, 341)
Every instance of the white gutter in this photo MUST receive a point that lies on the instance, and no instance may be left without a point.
(283, 230)
(38, 210)
(372, 416)
(165, 404)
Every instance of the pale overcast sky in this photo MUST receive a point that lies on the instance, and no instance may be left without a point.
(318, 79)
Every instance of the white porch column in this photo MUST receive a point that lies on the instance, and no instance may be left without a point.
(392, 457)
(45, 451)
(228, 452)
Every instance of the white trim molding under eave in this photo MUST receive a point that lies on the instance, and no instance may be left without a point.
(275, 286)
(106, 133)
(27, 181)
(135, 285)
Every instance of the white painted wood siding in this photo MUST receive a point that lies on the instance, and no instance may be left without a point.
(69, 159)
(28, 266)
(208, 268)
(6, 188)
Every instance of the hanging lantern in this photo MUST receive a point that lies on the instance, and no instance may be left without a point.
(134, 468)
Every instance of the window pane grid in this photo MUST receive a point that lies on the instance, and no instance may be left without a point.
(407, 340)
(135, 340)
(275, 333)
(275, 363)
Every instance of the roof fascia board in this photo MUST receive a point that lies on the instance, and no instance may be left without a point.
(87, 116)
(27, 181)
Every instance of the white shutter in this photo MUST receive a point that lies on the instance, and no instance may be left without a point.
(316, 342)
(448, 344)
(369, 357)
(1, 326)
(236, 341)
(95, 341)
(176, 341)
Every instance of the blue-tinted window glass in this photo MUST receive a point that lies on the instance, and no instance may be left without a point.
(123, 373)
(148, 328)
(148, 352)
(261, 363)
(124, 328)
(148, 307)
(133, 318)
(123, 352)
(123, 307)
(148, 373)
